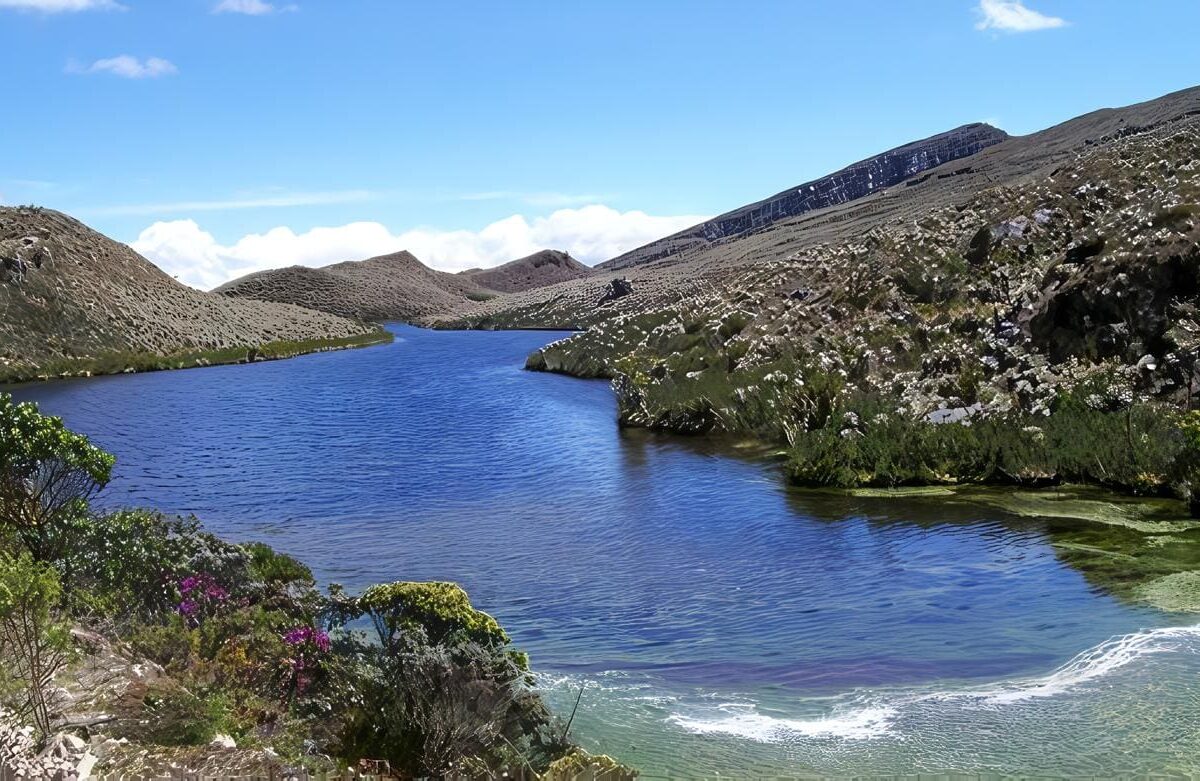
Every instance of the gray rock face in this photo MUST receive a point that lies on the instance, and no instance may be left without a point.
(616, 289)
(851, 183)
(20, 256)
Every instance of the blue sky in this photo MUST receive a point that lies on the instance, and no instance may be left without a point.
(221, 136)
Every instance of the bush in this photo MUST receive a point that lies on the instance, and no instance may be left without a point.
(175, 716)
(47, 476)
(34, 645)
(268, 566)
(126, 566)
(442, 610)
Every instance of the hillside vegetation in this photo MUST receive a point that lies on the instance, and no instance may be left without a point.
(75, 301)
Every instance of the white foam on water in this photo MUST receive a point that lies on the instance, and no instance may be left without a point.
(860, 724)
(1096, 662)
(873, 716)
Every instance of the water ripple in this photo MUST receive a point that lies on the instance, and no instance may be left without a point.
(613, 556)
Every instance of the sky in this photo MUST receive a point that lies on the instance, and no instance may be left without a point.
(219, 137)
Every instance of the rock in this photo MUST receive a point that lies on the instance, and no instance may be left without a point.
(615, 289)
(223, 741)
(86, 763)
(856, 181)
(980, 247)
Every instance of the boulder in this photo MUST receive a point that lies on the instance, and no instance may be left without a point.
(615, 289)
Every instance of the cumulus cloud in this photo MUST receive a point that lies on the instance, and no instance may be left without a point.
(127, 67)
(250, 7)
(1011, 16)
(592, 233)
(62, 6)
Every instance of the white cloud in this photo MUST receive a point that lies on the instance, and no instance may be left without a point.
(592, 234)
(1013, 17)
(127, 67)
(268, 201)
(250, 7)
(62, 6)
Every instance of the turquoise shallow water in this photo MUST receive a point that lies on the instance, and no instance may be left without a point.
(715, 620)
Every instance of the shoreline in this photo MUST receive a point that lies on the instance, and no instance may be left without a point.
(109, 364)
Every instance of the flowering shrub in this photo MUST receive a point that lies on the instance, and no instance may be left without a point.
(200, 597)
(307, 646)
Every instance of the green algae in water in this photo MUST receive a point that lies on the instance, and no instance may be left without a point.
(1083, 503)
(903, 493)
(1178, 593)
(1144, 551)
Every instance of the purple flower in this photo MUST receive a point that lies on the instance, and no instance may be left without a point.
(187, 607)
(306, 634)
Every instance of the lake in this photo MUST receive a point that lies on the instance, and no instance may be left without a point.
(715, 620)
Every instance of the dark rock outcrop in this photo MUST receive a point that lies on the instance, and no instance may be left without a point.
(851, 183)
(20, 256)
(615, 289)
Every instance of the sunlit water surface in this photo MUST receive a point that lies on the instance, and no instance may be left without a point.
(715, 620)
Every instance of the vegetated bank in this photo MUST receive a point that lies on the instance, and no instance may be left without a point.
(138, 645)
(1041, 325)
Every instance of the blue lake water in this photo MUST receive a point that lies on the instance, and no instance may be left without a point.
(715, 619)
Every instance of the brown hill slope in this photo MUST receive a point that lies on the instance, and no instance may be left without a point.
(668, 271)
(1065, 294)
(387, 287)
(72, 298)
(540, 269)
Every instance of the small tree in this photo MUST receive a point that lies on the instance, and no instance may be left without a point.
(47, 476)
(34, 645)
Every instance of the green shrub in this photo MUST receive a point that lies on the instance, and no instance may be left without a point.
(1140, 448)
(277, 569)
(47, 476)
(34, 644)
(442, 610)
(126, 565)
(175, 716)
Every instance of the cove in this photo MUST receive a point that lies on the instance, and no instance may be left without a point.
(715, 620)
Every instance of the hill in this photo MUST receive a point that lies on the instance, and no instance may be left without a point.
(1045, 288)
(76, 301)
(540, 269)
(383, 288)
(851, 183)
(671, 270)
